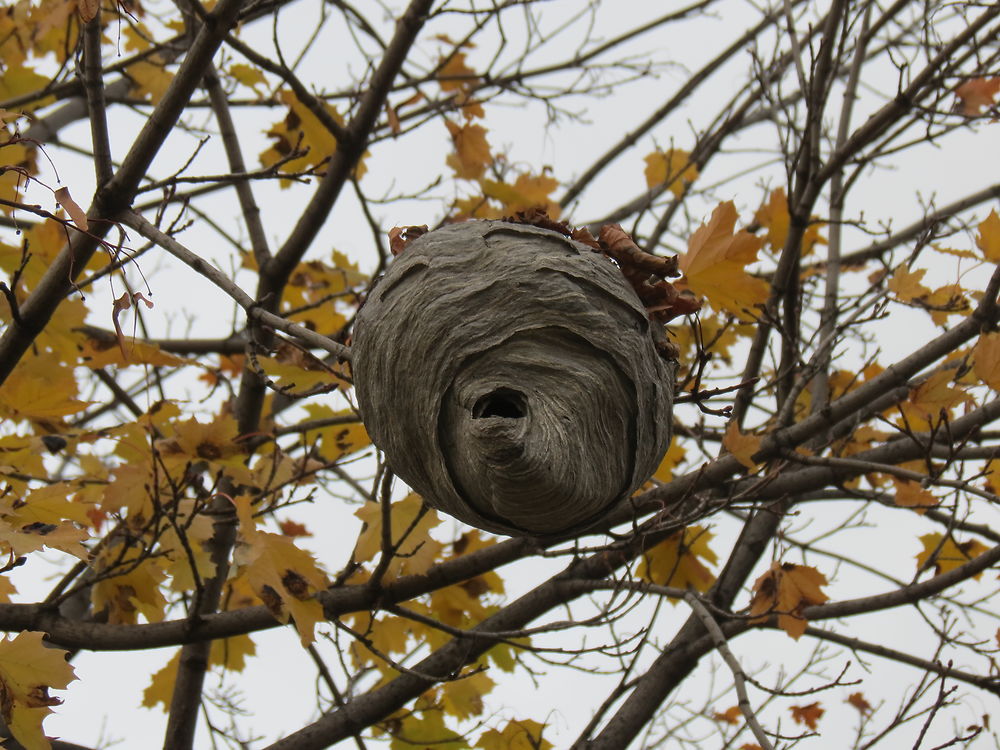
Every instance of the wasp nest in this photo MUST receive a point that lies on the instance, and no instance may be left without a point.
(511, 377)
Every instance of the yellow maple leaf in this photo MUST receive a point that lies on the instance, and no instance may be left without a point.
(986, 359)
(458, 606)
(773, 216)
(20, 79)
(386, 633)
(339, 439)
(132, 592)
(714, 265)
(21, 457)
(50, 504)
(472, 151)
(137, 36)
(7, 589)
(150, 79)
(456, 76)
(674, 455)
(215, 441)
(906, 284)
(18, 158)
(672, 168)
(787, 588)
(23, 530)
(913, 495)
(285, 577)
(463, 698)
(28, 669)
(248, 76)
(675, 561)
(946, 554)
(302, 130)
(988, 239)
(312, 285)
(743, 446)
(185, 543)
(475, 207)
(298, 373)
(41, 388)
(518, 734)
(228, 653)
(426, 730)
(417, 552)
(96, 354)
(931, 399)
(947, 300)
(527, 191)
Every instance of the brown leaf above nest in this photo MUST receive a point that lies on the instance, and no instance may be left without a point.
(538, 217)
(400, 237)
(618, 244)
(646, 272)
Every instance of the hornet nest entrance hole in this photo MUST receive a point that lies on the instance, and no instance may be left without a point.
(505, 403)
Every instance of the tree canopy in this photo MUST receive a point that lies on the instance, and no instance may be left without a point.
(196, 199)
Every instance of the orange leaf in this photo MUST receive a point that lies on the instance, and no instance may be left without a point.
(977, 93)
(858, 701)
(787, 589)
(731, 715)
(912, 495)
(291, 528)
(808, 715)
(714, 265)
(742, 446)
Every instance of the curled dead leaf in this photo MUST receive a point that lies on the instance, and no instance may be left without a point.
(618, 244)
(400, 237)
(77, 214)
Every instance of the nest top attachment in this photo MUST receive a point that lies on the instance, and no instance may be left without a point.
(511, 377)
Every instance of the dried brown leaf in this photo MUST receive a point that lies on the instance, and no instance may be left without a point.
(77, 214)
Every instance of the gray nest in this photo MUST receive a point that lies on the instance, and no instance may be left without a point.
(511, 377)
